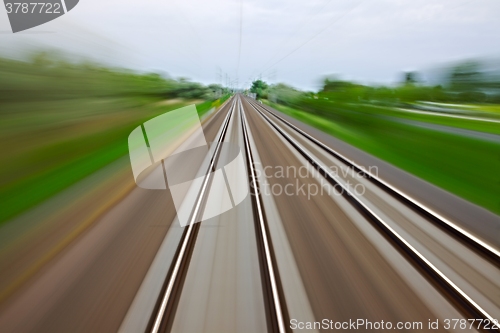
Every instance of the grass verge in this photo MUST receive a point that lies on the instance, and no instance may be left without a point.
(66, 141)
(462, 165)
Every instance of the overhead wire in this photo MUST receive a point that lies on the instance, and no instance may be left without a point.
(290, 36)
(353, 8)
(240, 38)
(315, 35)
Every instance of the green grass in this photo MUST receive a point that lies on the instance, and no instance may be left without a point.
(62, 121)
(492, 108)
(464, 166)
(438, 118)
(40, 164)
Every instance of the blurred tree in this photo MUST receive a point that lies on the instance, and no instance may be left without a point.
(411, 78)
(466, 76)
(259, 87)
(218, 90)
(333, 84)
(282, 93)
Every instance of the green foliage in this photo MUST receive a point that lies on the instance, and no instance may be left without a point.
(259, 87)
(189, 90)
(336, 85)
(61, 121)
(48, 76)
(282, 93)
(466, 76)
(410, 78)
(467, 82)
(459, 164)
(374, 118)
(218, 90)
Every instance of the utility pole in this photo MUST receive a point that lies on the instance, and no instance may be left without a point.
(219, 75)
(272, 76)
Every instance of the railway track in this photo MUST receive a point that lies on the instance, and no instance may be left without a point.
(466, 304)
(471, 240)
(275, 307)
(165, 309)
(275, 313)
(163, 316)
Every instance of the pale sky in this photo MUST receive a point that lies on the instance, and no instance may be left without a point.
(296, 42)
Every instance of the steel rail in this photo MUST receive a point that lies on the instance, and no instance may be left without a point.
(278, 319)
(189, 235)
(473, 309)
(469, 238)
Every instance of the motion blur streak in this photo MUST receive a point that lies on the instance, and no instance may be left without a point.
(78, 239)
(76, 236)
